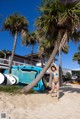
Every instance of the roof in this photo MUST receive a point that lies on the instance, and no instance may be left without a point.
(35, 55)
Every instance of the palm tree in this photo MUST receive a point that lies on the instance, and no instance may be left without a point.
(29, 39)
(15, 24)
(44, 46)
(57, 23)
(2, 54)
(76, 56)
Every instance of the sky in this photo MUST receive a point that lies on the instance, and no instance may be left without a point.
(29, 9)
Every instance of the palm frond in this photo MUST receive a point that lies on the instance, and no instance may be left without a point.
(58, 16)
(15, 22)
(29, 38)
(76, 56)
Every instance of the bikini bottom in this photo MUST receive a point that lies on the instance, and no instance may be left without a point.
(55, 83)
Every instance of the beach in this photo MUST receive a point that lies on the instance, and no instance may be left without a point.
(42, 105)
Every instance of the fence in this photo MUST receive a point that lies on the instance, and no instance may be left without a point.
(5, 63)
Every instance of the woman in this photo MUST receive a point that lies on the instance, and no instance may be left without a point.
(54, 74)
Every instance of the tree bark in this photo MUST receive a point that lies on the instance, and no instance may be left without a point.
(62, 43)
(38, 78)
(27, 88)
(32, 46)
(13, 51)
(60, 68)
(42, 61)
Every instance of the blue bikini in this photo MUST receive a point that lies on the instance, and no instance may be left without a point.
(56, 74)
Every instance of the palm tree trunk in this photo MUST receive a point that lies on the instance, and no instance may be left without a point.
(62, 43)
(38, 78)
(60, 68)
(13, 51)
(32, 46)
(42, 61)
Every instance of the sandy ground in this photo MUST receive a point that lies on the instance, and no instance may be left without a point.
(42, 106)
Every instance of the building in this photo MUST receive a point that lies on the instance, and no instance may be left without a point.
(22, 59)
(65, 71)
(36, 59)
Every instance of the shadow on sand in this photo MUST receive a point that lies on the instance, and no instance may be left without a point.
(63, 90)
(69, 89)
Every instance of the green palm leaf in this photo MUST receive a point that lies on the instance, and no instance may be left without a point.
(15, 24)
(76, 56)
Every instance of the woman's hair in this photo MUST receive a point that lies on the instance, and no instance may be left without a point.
(53, 66)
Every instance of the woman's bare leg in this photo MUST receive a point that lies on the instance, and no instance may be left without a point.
(57, 90)
(53, 86)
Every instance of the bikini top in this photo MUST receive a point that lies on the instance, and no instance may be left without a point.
(56, 74)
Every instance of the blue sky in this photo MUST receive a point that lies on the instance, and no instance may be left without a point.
(29, 9)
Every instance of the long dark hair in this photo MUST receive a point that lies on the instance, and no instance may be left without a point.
(54, 67)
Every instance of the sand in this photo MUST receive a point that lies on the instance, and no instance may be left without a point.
(42, 105)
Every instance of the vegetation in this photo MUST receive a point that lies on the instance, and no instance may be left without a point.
(76, 72)
(2, 54)
(76, 56)
(10, 89)
(15, 24)
(13, 89)
(56, 25)
(68, 75)
(29, 39)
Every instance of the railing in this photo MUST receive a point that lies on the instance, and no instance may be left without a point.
(5, 62)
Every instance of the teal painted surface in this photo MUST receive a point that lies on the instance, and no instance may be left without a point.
(27, 74)
(24, 76)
